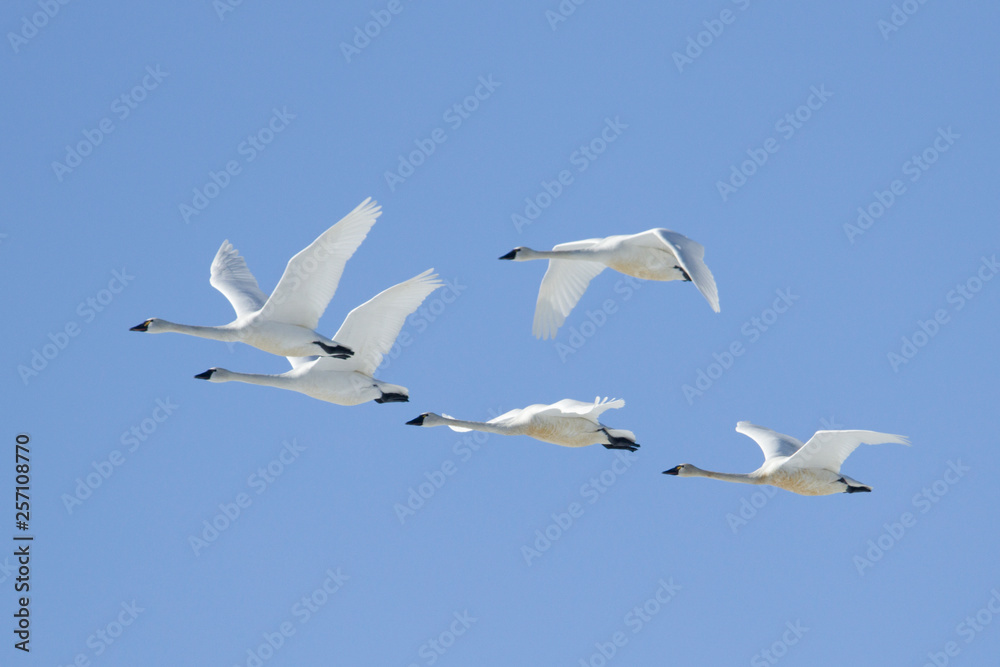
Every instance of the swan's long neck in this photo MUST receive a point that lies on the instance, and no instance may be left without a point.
(742, 478)
(215, 333)
(254, 378)
(584, 254)
(476, 426)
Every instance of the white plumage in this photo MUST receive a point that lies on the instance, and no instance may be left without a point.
(567, 422)
(284, 323)
(812, 469)
(370, 330)
(656, 254)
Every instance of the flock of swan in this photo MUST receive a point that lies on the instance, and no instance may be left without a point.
(341, 369)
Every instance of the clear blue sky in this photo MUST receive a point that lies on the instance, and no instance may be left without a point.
(138, 138)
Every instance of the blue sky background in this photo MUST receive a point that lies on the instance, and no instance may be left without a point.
(737, 584)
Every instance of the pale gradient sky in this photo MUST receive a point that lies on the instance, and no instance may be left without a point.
(840, 174)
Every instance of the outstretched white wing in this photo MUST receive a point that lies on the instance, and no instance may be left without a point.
(771, 442)
(593, 410)
(371, 328)
(589, 411)
(563, 284)
(312, 276)
(690, 256)
(829, 449)
(231, 276)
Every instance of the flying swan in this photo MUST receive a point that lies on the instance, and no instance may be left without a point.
(656, 254)
(285, 323)
(369, 330)
(568, 423)
(812, 469)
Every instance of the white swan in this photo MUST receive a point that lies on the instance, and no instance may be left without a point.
(369, 330)
(812, 469)
(285, 323)
(656, 254)
(568, 423)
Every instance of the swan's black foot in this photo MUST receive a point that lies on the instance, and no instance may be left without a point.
(393, 398)
(620, 443)
(854, 489)
(337, 351)
(631, 446)
(687, 278)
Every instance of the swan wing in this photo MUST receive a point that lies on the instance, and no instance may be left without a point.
(563, 284)
(568, 407)
(311, 276)
(231, 276)
(690, 256)
(510, 416)
(771, 442)
(829, 449)
(371, 328)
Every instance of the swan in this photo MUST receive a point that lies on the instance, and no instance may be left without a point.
(812, 469)
(567, 422)
(656, 254)
(370, 330)
(284, 323)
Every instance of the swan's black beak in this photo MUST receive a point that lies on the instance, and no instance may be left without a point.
(419, 421)
(511, 255)
(141, 327)
(673, 471)
(207, 375)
